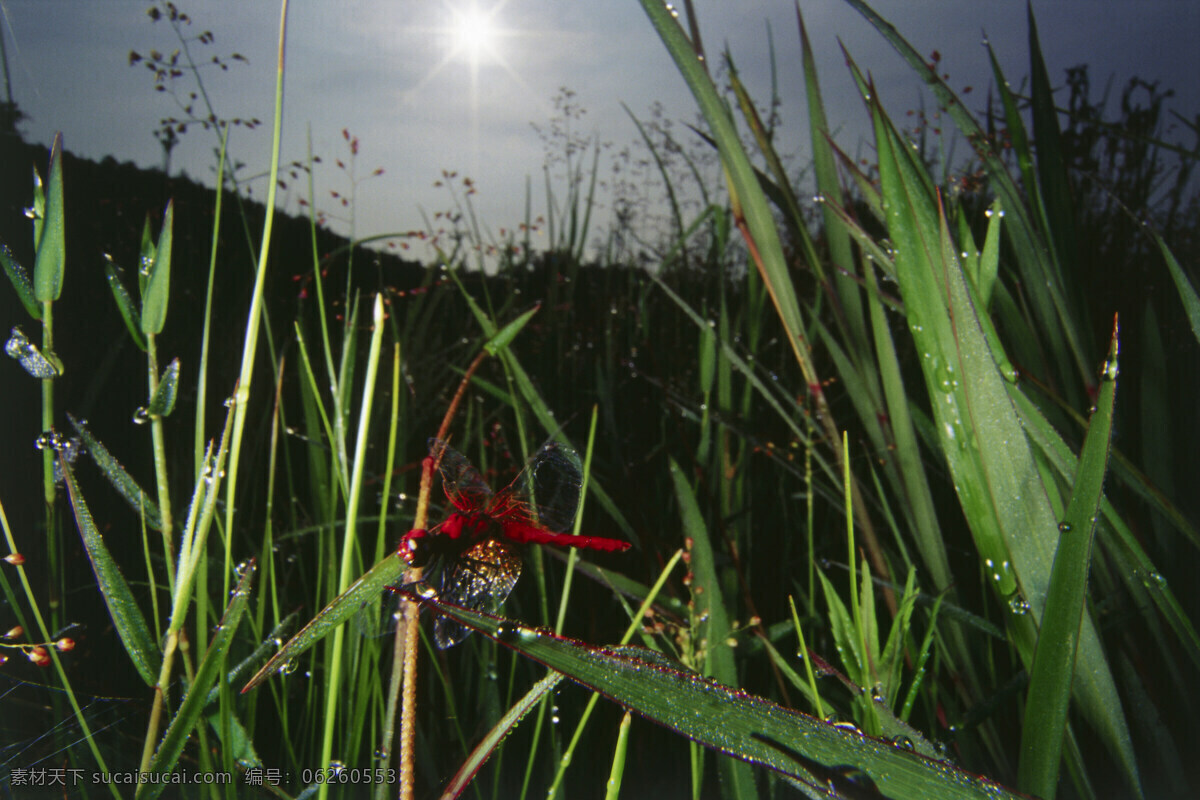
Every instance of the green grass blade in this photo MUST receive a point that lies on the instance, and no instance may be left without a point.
(829, 189)
(505, 335)
(742, 178)
(488, 744)
(51, 258)
(122, 608)
(191, 710)
(129, 312)
(1033, 254)
(19, 279)
(990, 460)
(163, 401)
(1187, 292)
(1054, 661)
(121, 480)
(1135, 566)
(733, 722)
(1051, 164)
(367, 589)
(158, 283)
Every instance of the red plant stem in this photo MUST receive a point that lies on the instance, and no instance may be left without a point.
(409, 609)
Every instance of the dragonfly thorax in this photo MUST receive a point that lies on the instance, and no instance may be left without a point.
(451, 538)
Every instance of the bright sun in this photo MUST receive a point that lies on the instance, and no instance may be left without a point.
(474, 34)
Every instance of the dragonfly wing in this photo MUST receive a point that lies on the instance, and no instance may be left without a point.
(546, 492)
(465, 488)
(480, 580)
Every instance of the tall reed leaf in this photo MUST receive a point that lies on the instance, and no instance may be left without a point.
(1034, 258)
(981, 436)
(1187, 292)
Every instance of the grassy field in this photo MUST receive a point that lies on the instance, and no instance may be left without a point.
(905, 466)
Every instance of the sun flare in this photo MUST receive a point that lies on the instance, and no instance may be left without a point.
(475, 34)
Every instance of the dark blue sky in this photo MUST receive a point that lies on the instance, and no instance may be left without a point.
(394, 74)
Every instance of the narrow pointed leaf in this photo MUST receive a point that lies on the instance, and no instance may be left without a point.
(122, 608)
(129, 312)
(363, 591)
(51, 256)
(158, 284)
(190, 711)
(121, 480)
(1187, 292)
(19, 279)
(488, 744)
(509, 332)
(163, 401)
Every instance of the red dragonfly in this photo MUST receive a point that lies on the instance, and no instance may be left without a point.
(478, 547)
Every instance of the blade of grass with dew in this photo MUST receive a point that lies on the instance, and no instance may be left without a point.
(350, 537)
(993, 469)
(715, 625)
(1050, 675)
(162, 402)
(734, 722)
(829, 189)
(1136, 568)
(241, 395)
(19, 279)
(129, 311)
(1033, 257)
(49, 231)
(488, 744)
(370, 585)
(781, 183)
(116, 474)
(122, 608)
(158, 283)
(198, 436)
(191, 710)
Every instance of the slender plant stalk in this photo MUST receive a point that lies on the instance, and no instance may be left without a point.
(350, 539)
(409, 611)
(160, 463)
(241, 395)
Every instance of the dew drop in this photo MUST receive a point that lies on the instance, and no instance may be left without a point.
(1018, 605)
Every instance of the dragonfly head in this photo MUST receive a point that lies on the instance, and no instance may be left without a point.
(414, 547)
